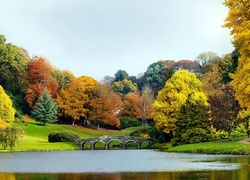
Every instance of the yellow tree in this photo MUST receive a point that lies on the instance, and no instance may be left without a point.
(74, 101)
(238, 21)
(181, 86)
(7, 112)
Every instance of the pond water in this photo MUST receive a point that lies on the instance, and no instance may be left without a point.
(121, 164)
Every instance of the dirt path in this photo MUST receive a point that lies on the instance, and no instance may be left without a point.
(246, 141)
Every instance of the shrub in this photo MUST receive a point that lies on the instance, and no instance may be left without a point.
(239, 131)
(129, 122)
(63, 136)
(196, 135)
(9, 136)
(193, 135)
(149, 130)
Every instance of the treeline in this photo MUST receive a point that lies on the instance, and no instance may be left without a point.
(189, 101)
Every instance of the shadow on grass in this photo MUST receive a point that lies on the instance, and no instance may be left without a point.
(38, 124)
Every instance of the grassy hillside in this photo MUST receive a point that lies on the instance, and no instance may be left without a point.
(36, 136)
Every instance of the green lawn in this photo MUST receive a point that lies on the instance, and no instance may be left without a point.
(36, 136)
(216, 147)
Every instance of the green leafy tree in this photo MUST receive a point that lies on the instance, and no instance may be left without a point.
(13, 65)
(181, 86)
(154, 75)
(121, 75)
(45, 109)
(63, 77)
(7, 112)
(124, 87)
(228, 65)
(191, 125)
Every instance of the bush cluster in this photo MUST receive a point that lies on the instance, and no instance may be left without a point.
(63, 136)
(129, 122)
(149, 130)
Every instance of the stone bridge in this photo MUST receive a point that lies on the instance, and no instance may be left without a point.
(106, 140)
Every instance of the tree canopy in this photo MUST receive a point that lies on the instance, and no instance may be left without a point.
(40, 78)
(238, 21)
(7, 112)
(74, 101)
(181, 86)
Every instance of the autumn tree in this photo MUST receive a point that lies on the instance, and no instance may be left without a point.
(105, 106)
(181, 86)
(223, 105)
(74, 100)
(40, 78)
(189, 65)
(45, 109)
(132, 106)
(63, 77)
(7, 112)
(225, 110)
(238, 21)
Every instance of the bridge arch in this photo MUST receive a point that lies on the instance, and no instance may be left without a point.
(94, 144)
(131, 141)
(84, 144)
(111, 140)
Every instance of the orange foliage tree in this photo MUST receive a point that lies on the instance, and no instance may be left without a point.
(105, 106)
(132, 106)
(74, 100)
(40, 78)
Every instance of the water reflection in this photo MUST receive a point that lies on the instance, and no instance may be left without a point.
(192, 175)
(118, 164)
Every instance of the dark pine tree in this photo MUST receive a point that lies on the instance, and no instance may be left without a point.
(45, 109)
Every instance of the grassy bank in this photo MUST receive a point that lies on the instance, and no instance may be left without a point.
(36, 136)
(234, 146)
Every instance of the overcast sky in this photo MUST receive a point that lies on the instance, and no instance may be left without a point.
(99, 37)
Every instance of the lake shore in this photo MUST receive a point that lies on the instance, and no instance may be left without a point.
(36, 139)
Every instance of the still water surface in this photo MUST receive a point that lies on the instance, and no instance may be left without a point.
(121, 164)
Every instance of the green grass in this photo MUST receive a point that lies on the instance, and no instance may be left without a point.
(215, 147)
(36, 136)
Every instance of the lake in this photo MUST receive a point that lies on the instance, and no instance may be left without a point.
(121, 164)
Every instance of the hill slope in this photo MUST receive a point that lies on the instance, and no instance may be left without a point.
(36, 136)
